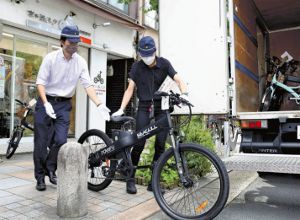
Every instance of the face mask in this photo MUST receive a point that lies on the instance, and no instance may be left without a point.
(148, 60)
(71, 48)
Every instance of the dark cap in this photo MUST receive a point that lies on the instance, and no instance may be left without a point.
(146, 46)
(71, 33)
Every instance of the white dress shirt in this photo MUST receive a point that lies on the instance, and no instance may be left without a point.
(60, 76)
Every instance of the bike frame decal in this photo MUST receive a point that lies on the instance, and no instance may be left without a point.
(146, 132)
(141, 134)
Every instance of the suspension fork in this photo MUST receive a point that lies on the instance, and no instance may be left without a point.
(180, 162)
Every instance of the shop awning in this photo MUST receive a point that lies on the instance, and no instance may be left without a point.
(107, 13)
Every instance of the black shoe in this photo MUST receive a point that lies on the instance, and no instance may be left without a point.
(52, 177)
(40, 185)
(130, 186)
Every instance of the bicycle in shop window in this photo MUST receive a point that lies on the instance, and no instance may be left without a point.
(25, 111)
(200, 186)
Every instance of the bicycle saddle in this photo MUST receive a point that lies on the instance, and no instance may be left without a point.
(122, 118)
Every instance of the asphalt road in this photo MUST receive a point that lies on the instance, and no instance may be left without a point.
(273, 196)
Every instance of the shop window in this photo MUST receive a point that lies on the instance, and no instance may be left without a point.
(30, 55)
(115, 4)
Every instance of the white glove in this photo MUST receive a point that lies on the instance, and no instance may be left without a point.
(104, 111)
(118, 113)
(49, 110)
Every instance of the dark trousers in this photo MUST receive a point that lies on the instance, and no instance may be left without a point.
(49, 133)
(142, 120)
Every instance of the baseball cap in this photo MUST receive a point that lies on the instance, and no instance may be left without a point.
(146, 46)
(71, 33)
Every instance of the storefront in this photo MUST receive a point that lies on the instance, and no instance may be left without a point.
(30, 30)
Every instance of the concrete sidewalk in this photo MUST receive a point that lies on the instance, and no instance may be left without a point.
(20, 200)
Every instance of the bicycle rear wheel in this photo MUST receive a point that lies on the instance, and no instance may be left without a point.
(205, 195)
(101, 171)
(13, 143)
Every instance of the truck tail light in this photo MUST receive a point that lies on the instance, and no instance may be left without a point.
(254, 124)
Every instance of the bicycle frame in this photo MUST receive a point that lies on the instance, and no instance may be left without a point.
(134, 137)
(24, 123)
(289, 89)
(144, 133)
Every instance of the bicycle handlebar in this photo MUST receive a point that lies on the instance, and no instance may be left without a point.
(175, 98)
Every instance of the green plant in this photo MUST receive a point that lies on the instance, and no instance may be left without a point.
(196, 132)
(146, 159)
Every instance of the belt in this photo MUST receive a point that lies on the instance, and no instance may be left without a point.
(157, 103)
(58, 98)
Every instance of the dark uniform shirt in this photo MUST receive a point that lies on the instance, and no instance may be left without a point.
(148, 80)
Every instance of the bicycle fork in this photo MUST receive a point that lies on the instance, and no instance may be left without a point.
(180, 161)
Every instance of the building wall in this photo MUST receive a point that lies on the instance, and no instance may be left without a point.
(118, 38)
(114, 39)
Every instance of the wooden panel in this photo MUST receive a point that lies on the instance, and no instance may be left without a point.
(246, 94)
(285, 41)
(245, 50)
(246, 54)
(246, 12)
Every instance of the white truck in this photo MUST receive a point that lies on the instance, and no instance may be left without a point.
(219, 48)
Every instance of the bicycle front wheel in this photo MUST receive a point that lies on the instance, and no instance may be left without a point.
(205, 192)
(13, 143)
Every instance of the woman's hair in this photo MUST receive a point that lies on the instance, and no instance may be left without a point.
(63, 39)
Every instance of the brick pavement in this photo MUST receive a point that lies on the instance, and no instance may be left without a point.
(20, 200)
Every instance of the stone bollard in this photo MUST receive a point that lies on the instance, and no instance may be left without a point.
(72, 180)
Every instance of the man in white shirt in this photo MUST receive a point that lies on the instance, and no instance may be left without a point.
(56, 83)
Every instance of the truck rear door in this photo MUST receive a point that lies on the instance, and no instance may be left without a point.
(193, 36)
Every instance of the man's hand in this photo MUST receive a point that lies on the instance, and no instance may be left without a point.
(118, 113)
(104, 111)
(49, 110)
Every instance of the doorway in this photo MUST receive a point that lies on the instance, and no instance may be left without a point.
(117, 82)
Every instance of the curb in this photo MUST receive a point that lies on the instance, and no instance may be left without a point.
(148, 209)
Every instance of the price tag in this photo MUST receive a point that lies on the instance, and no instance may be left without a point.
(32, 102)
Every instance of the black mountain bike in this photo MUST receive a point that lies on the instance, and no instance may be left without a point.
(189, 181)
(17, 134)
